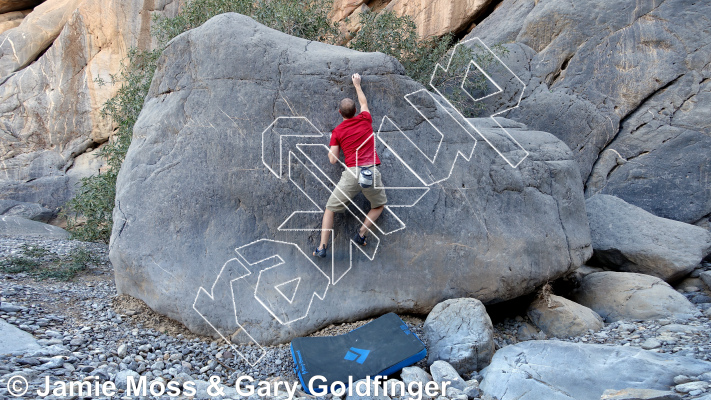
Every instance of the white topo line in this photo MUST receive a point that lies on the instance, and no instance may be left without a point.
(326, 181)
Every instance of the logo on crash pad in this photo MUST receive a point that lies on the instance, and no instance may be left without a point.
(357, 355)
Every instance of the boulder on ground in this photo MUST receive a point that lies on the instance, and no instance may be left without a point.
(460, 332)
(31, 211)
(556, 370)
(15, 340)
(627, 238)
(18, 226)
(414, 374)
(573, 280)
(559, 317)
(218, 166)
(625, 295)
(442, 371)
(705, 276)
(527, 331)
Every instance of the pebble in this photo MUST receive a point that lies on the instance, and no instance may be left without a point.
(121, 351)
(651, 344)
(691, 386)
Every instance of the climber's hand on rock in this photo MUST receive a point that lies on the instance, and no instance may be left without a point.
(356, 79)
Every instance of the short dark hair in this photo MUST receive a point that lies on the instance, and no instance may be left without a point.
(347, 108)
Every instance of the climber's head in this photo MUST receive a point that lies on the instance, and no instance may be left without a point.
(347, 108)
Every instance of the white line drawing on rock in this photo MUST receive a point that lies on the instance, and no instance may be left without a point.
(298, 220)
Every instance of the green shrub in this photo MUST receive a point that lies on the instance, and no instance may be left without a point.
(306, 19)
(89, 212)
(194, 14)
(40, 263)
(397, 36)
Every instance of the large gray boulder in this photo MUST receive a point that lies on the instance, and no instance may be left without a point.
(625, 85)
(560, 317)
(15, 340)
(555, 370)
(18, 226)
(460, 332)
(625, 295)
(203, 206)
(31, 211)
(630, 239)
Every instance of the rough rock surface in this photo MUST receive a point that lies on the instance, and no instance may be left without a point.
(344, 8)
(31, 211)
(12, 19)
(18, 226)
(639, 394)
(626, 85)
(554, 370)
(630, 239)
(559, 317)
(460, 332)
(435, 18)
(706, 278)
(13, 339)
(50, 107)
(7, 6)
(626, 295)
(443, 371)
(20, 46)
(414, 374)
(194, 187)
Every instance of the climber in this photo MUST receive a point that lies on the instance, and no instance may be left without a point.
(355, 137)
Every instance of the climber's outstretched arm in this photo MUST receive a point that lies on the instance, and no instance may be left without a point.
(361, 96)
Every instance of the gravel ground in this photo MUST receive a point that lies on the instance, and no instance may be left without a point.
(88, 330)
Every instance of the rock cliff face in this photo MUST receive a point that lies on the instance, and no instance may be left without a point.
(50, 102)
(433, 18)
(207, 172)
(12, 19)
(7, 6)
(626, 85)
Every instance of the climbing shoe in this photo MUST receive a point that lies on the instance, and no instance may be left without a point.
(319, 252)
(359, 239)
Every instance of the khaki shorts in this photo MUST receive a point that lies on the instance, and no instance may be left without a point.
(348, 187)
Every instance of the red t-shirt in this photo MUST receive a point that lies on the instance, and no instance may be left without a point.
(356, 135)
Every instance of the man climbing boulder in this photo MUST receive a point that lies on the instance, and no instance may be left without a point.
(355, 137)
